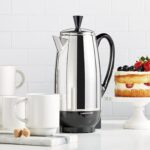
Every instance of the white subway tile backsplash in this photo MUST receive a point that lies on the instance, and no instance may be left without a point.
(13, 57)
(48, 57)
(129, 40)
(5, 6)
(62, 7)
(147, 6)
(96, 7)
(43, 23)
(31, 39)
(121, 109)
(121, 58)
(139, 23)
(147, 111)
(28, 7)
(127, 7)
(13, 23)
(40, 87)
(106, 108)
(37, 73)
(148, 42)
(40, 73)
(5, 40)
(106, 23)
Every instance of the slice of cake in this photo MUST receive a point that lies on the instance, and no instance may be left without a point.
(133, 81)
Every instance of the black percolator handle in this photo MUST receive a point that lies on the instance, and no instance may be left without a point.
(111, 59)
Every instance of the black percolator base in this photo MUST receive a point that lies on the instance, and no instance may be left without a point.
(77, 130)
(79, 121)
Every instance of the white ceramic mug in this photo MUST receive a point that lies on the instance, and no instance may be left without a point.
(9, 120)
(42, 113)
(8, 82)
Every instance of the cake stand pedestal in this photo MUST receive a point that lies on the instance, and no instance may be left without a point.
(138, 119)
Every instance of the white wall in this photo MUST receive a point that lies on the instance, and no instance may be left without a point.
(27, 26)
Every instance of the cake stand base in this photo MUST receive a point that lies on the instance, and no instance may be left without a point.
(138, 119)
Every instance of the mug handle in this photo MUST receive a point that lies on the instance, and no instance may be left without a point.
(24, 100)
(22, 78)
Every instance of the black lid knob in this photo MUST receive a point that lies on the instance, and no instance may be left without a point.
(77, 22)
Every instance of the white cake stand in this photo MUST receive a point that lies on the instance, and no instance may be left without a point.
(138, 119)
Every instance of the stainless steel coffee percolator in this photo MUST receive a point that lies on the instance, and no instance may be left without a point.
(78, 77)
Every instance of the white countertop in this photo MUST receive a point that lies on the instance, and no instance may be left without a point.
(110, 137)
